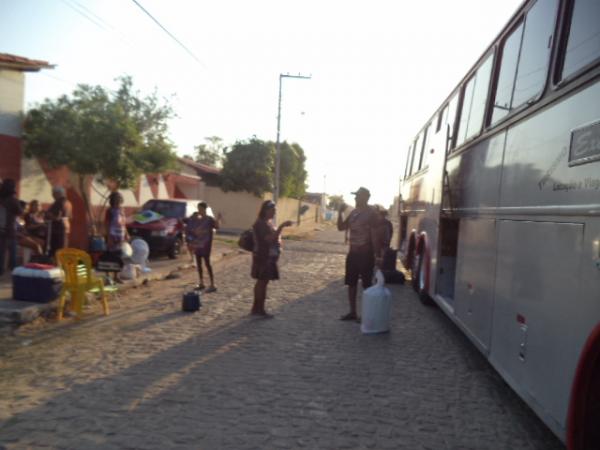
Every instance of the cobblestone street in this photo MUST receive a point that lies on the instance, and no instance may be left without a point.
(151, 377)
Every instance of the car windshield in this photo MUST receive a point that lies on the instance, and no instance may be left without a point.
(168, 209)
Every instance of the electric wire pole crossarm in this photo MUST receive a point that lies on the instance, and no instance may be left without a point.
(277, 144)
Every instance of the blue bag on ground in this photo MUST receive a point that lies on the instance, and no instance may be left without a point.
(190, 301)
(376, 307)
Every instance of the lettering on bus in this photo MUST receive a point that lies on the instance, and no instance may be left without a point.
(592, 184)
(548, 175)
(585, 144)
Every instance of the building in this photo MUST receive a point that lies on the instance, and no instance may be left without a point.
(12, 101)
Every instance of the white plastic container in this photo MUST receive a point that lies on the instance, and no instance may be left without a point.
(140, 254)
(376, 307)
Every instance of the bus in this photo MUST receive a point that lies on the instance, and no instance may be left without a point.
(500, 211)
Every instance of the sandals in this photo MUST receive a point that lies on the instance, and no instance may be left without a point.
(350, 316)
(262, 315)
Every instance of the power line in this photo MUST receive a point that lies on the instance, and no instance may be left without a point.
(62, 80)
(188, 51)
(84, 14)
(93, 14)
(94, 18)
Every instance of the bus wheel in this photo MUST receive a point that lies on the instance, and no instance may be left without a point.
(584, 411)
(419, 276)
(415, 271)
(591, 416)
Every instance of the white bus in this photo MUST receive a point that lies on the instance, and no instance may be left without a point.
(500, 211)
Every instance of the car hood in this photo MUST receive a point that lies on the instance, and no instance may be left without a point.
(151, 222)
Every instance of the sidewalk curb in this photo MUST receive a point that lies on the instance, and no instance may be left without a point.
(14, 313)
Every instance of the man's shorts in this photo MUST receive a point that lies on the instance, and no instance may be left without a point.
(359, 265)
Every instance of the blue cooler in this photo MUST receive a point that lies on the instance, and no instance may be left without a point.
(37, 285)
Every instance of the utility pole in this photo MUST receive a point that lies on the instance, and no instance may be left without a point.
(277, 143)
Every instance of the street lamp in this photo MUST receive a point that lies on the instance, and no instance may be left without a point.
(277, 144)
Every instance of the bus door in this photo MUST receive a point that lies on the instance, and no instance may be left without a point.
(475, 271)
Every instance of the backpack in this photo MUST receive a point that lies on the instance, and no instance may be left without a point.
(246, 241)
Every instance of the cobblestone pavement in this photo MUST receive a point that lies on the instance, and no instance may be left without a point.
(152, 377)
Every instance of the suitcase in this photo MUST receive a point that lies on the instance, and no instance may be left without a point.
(36, 285)
(191, 301)
(109, 262)
(390, 256)
(393, 277)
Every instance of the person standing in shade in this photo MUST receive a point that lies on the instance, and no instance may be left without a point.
(385, 229)
(34, 221)
(115, 223)
(267, 247)
(200, 229)
(59, 214)
(365, 247)
(10, 209)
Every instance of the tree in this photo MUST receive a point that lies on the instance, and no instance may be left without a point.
(211, 153)
(335, 201)
(293, 173)
(250, 166)
(113, 136)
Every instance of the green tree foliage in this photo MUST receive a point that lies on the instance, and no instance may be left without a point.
(250, 166)
(212, 152)
(94, 132)
(335, 201)
(293, 173)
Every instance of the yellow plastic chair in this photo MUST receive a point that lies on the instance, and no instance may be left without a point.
(110, 288)
(79, 279)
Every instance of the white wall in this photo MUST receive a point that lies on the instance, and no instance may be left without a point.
(34, 184)
(12, 97)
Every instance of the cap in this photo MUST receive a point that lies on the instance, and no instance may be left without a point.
(59, 190)
(361, 190)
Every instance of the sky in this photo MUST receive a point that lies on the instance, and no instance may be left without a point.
(379, 69)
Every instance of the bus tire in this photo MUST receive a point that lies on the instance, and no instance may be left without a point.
(408, 260)
(415, 271)
(418, 280)
(584, 409)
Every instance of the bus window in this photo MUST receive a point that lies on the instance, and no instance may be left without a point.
(466, 109)
(426, 147)
(418, 150)
(442, 118)
(408, 162)
(452, 106)
(506, 78)
(583, 44)
(535, 51)
(525, 58)
(473, 110)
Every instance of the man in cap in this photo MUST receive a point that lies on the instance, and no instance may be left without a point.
(365, 248)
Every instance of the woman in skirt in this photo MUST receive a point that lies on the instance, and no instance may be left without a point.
(267, 247)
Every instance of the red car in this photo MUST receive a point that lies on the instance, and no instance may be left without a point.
(161, 224)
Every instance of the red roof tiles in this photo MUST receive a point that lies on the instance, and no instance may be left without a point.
(202, 168)
(19, 63)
